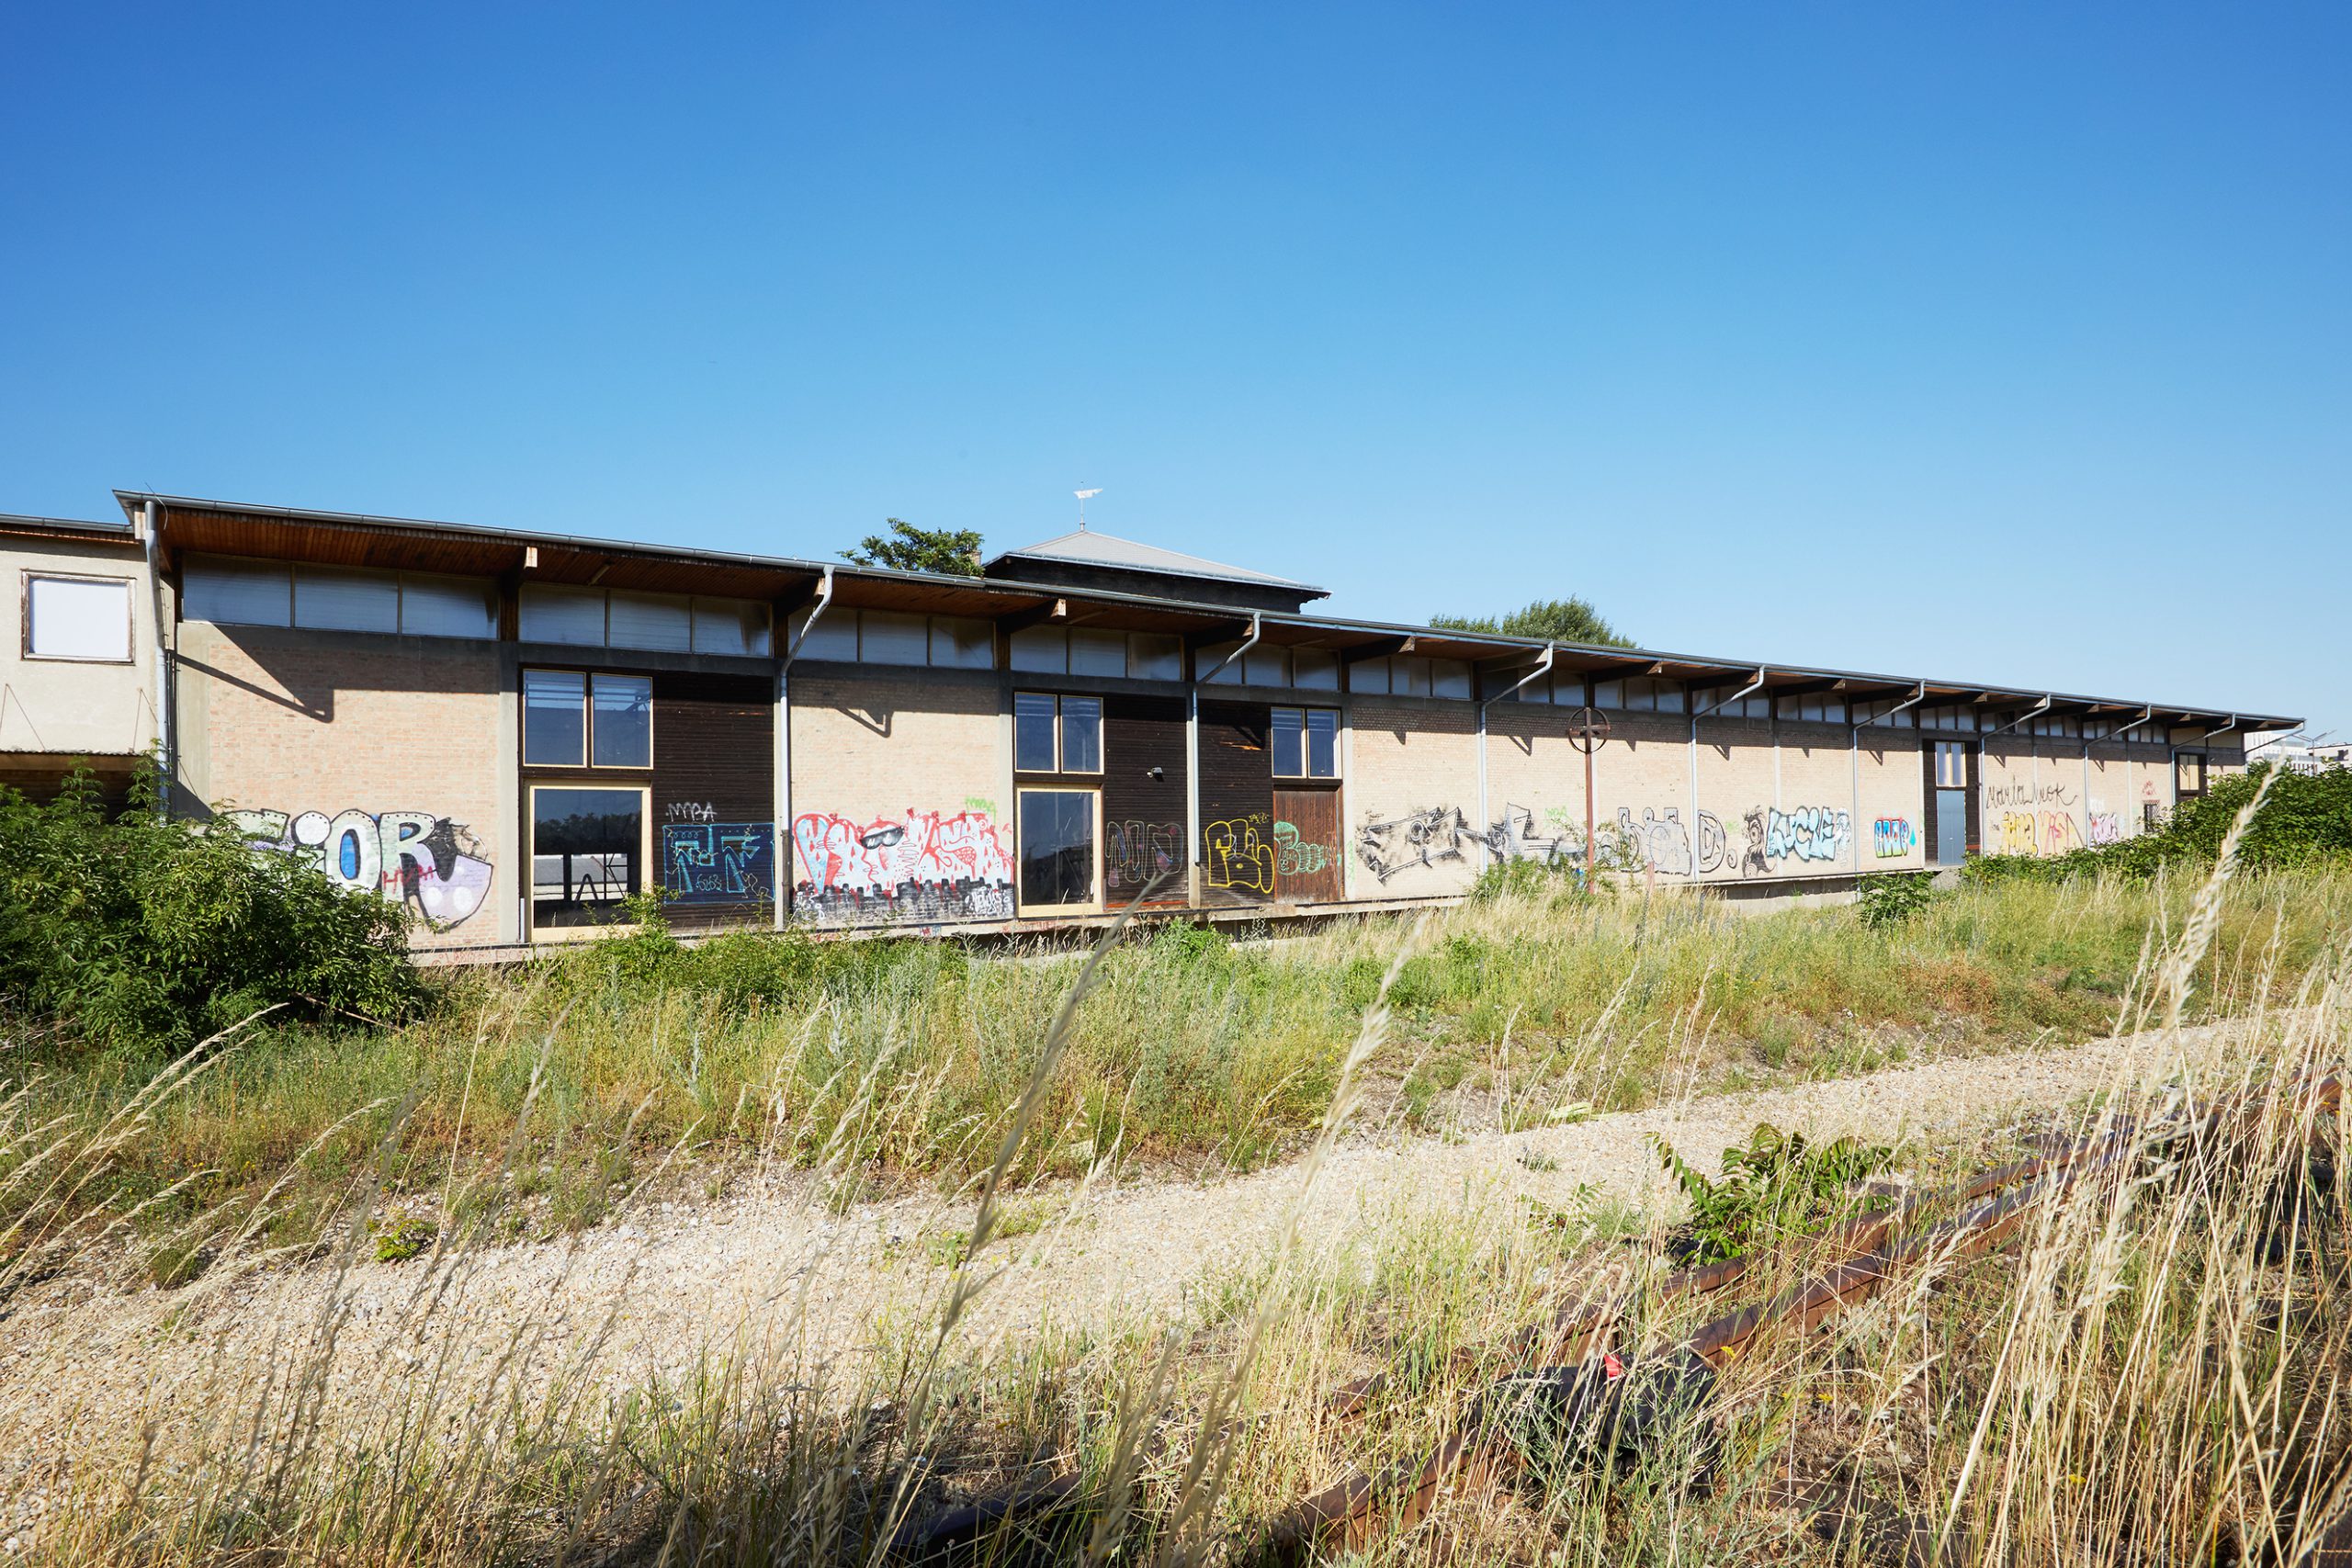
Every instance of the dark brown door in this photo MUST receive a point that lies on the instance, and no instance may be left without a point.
(1307, 845)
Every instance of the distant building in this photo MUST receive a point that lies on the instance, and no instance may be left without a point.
(511, 732)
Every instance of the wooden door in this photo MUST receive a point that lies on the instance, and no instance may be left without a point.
(1307, 845)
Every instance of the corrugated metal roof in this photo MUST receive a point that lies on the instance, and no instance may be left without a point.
(1087, 547)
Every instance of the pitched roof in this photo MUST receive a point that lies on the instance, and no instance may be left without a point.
(1087, 547)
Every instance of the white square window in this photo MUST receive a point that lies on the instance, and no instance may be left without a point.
(73, 618)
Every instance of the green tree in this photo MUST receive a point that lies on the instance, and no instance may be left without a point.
(1561, 620)
(956, 551)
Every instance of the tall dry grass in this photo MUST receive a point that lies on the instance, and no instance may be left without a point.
(2153, 1372)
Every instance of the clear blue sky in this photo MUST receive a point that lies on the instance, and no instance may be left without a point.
(2003, 343)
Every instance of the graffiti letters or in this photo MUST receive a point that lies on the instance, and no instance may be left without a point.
(1135, 852)
(2036, 833)
(1892, 837)
(922, 868)
(2106, 826)
(731, 863)
(1298, 855)
(1714, 845)
(689, 811)
(2001, 795)
(1752, 862)
(1437, 835)
(1235, 858)
(1810, 833)
(1515, 836)
(431, 864)
(1659, 841)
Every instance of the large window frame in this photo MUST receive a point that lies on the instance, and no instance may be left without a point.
(1092, 904)
(645, 870)
(1304, 733)
(1026, 709)
(129, 654)
(589, 680)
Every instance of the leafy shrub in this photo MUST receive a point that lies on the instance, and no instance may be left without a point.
(1890, 899)
(739, 967)
(142, 931)
(1777, 1184)
(2307, 821)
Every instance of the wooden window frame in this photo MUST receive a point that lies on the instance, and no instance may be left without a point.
(587, 762)
(1306, 752)
(648, 881)
(1061, 751)
(1021, 908)
(25, 619)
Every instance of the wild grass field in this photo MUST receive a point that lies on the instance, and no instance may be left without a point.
(2153, 1369)
(540, 1094)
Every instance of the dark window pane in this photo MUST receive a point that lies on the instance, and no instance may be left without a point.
(1082, 735)
(555, 729)
(1032, 732)
(1322, 743)
(623, 735)
(586, 845)
(1287, 744)
(1056, 847)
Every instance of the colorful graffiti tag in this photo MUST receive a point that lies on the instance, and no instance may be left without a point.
(923, 867)
(431, 864)
(1296, 855)
(1236, 859)
(1893, 838)
(1135, 852)
(719, 863)
(1808, 833)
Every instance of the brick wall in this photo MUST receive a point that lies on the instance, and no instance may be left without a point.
(380, 756)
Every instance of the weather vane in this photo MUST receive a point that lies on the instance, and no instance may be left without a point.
(1083, 496)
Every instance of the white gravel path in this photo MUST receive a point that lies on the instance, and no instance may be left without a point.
(86, 1360)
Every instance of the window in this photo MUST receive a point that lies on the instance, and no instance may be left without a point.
(1098, 653)
(1754, 704)
(1152, 657)
(1950, 715)
(1306, 743)
(273, 593)
(1082, 650)
(588, 849)
(2188, 773)
(1056, 831)
(573, 720)
(1408, 677)
(1639, 693)
(1057, 735)
(618, 617)
(1951, 765)
(1887, 711)
(77, 617)
(1813, 707)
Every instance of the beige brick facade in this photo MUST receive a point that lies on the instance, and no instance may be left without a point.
(384, 758)
(900, 797)
(1411, 797)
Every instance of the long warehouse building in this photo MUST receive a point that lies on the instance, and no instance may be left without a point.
(512, 732)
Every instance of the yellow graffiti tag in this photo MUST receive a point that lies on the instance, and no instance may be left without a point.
(1237, 857)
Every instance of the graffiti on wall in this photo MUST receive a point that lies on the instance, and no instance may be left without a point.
(1808, 833)
(922, 867)
(1659, 841)
(2036, 833)
(1135, 852)
(1515, 836)
(1892, 837)
(2001, 796)
(1295, 854)
(2107, 827)
(1439, 835)
(717, 862)
(431, 864)
(1237, 857)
